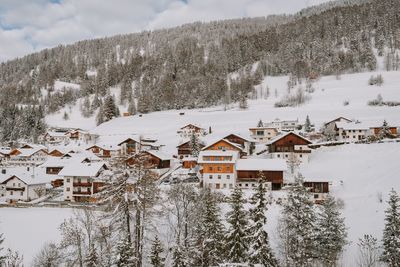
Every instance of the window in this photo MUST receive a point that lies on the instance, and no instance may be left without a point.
(316, 196)
(228, 177)
(301, 155)
(224, 186)
(230, 186)
(68, 189)
(67, 180)
(247, 185)
(210, 176)
(14, 184)
(228, 168)
(219, 177)
(260, 132)
(19, 184)
(240, 185)
(11, 192)
(286, 155)
(22, 193)
(279, 156)
(210, 168)
(219, 168)
(253, 185)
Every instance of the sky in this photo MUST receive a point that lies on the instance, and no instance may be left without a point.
(27, 26)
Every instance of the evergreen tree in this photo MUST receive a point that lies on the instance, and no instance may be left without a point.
(260, 123)
(391, 232)
(65, 116)
(307, 125)
(124, 252)
(194, 145)
(331, 233)
(236, 238)
(91, 259)
(298, 227)
(2, 257)
(385, 132)
(260, 251)
(100, 116)
(178, 259)
(155, 255)
(132, 107)
(208, 239)
(110, 109)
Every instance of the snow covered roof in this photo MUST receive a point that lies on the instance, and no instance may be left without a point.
(90, 169)
(276, 138)
(158, 154)
(28, 152)
(216, 140)
(33, 146)
(191, 125)
(261, 165)
(352, 125)
(113, 147)
(28, 175)
(218, 153)
(246, 138)
(338, 119)
(76, 157)
(56, 134)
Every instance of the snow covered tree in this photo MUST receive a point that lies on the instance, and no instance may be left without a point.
(243, 102)
(260, 251)
(391, 232)
(100, 116)
(236, 239)
(368, 252)
(49, 256)
(208, 236)
(110, 109)
(307, 125)
(156, 259)
(72, 241)
(91, 259)
(124, 252)
(331, 232)
(194, 145)
(13, 259)
(2, 257)
(178, 259)
(297, 229)
(385, 132)
(293, 162)
(260, 123)
(132, 106)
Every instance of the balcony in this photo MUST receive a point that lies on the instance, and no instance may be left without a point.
(82, 184)
(11, 188)
(82, 193)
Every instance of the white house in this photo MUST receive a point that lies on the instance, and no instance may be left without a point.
(53, 137)
(23, 183)
(218, 168)
(81, 180)
(27, 157)
(190, 129)
(352, 131)
(283, 125)
(263, 134)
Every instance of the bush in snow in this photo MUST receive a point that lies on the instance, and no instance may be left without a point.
(293, 100)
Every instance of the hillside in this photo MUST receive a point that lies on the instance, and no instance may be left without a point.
(192, 66)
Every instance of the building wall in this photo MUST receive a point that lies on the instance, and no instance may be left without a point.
(352, 135)
(222, 145)
(263, 135)
(219, 180)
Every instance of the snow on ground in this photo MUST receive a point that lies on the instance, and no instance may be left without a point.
(27, 229)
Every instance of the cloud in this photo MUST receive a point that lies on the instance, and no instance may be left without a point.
(30, 25)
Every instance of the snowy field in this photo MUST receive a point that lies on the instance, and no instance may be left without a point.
(27, 229)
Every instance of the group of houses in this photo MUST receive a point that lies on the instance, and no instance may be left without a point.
(75, 161)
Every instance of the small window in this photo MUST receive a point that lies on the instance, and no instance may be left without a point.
(219, 168)
(22, 193)
(11, 192)
(247, 185)
(240, 185)
(301, 155)
(210, 176)
(68, 189)
(228, 177)
(316, 196)
(219, 177)
(286, 156)
(210, 168)
(67, 180)
(224, 185)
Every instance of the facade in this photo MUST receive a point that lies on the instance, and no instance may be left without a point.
(225, 145)
(190, 129)
(248, 172)
(81, 181)
(27, 157)
(331, 125)
(246, 144)
(290, 143)
(129, 146)
(185, 149)
(318, 189)
(218, 168)
(151, 160)
(351, 131)
(263, 134)
(52, 137)
(105, 151)
(283, 126)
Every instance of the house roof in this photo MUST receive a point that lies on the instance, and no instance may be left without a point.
(158, 154)
(76, 157)
(338, 118)
(28, 152)
(352, 125)
(28, 176)
(191, 124)
(261, 165)
(90, 169)
(113, 147)
(248, 139)
(56, 134)
(279, 137)
(222, 139)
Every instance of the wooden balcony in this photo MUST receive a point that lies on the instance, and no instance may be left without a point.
(81, 193)
(81, 184)
(11, 188)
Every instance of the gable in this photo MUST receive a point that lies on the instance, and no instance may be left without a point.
(222, 145)
(292, 139)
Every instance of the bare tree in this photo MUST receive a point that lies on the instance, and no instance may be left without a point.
(368, 252)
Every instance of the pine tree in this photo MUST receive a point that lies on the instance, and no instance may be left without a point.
(307, 125)
(298, 226)
(385, 132)
(110, 109)
(236, 238)
(155, 255)
(243, 102)
(91, 259)
(124, 252)
(132, 107)
(194, 145)
(208, 239)
(2, 257)
(178, 259)
(391, 232)
(260, 250)
(331, 233)
(65, 116)
(100, 116)
(260, 123)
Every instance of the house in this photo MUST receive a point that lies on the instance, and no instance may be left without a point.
(263, 134)
(105, 151)
(189, 162)
(377, 130)
(23, 183)
(185, 149)
(53, 137)
(351, 131)
(81, 180)
(318, 189)
(27, 157)
(4, 154)
(247, 144)
(290, 143)
(331, 125)
(152, 159)
(217, 168)
(248, 172)
(129, 146)
(190, 129)
(283, 125)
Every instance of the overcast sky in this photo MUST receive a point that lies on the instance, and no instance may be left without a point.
(31, 25)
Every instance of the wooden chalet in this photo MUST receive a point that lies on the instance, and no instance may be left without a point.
(289, 142)
(249, 171)
(318, 189)
(246, 144)
(185, 149)
(224, 145)
(129, 146)
(151, 160)
(189, 162)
